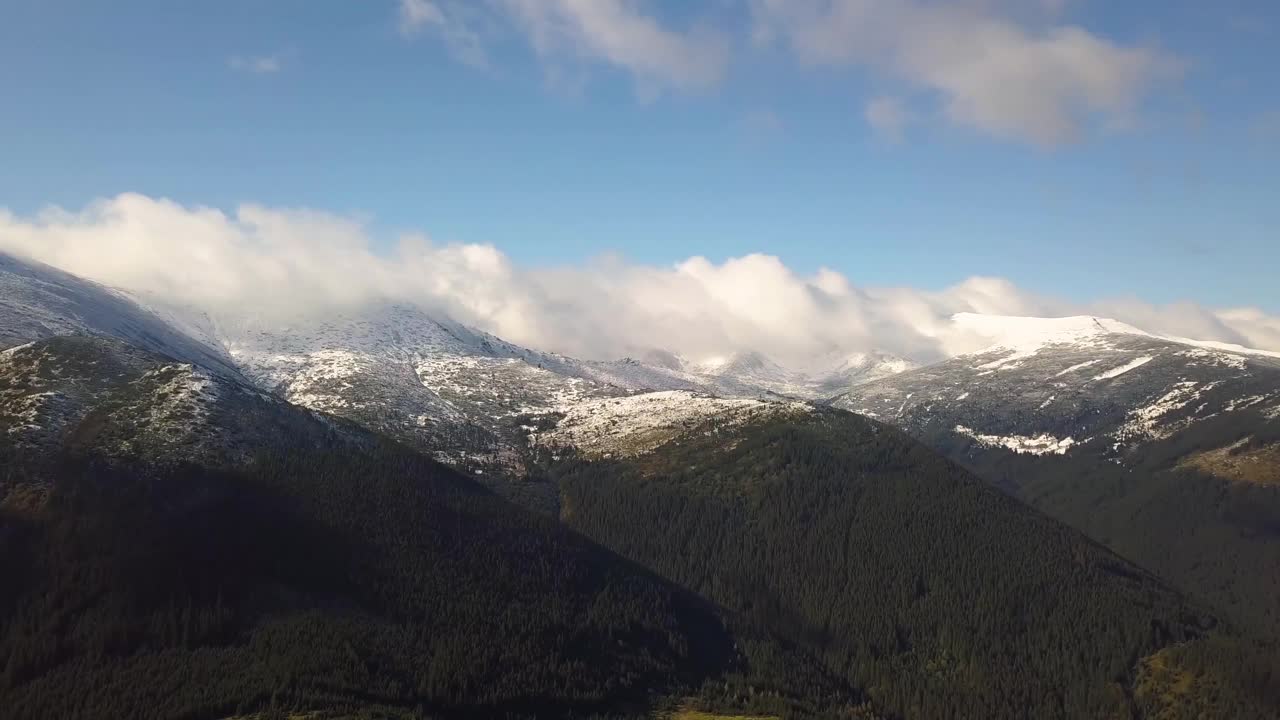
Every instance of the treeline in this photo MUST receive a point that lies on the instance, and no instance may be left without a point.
(933, 592)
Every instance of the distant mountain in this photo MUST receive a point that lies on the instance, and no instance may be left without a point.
(861, 368)
(746, 372)
(1052, 385)
(1164, 448)
(750, 374)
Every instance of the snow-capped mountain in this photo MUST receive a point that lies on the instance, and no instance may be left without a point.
(416, 376)
(1043, 386)
(861, 368)
(466, 395)
(744, 372)
(1052, 386)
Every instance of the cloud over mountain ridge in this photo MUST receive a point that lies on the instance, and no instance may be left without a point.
(264, 261)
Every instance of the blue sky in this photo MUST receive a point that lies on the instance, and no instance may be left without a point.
(666, 130)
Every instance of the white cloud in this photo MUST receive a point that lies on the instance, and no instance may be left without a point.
(258, 65)
(989, 71)
(619, 33)
(263, 260)
(888, 117)
(613, 32)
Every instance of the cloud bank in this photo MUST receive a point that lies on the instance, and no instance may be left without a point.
(273, 262)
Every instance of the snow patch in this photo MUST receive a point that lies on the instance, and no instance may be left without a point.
(1079, 366)
(1215, 357)
(1145, 422)
(1131, 365)
(1042, 444)
(1244, 402)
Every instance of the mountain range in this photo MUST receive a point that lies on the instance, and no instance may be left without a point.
(399, 514)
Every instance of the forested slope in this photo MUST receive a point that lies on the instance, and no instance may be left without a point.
(1200, 508)
(934, 592)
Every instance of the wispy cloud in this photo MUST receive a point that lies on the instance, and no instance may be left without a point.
(618, 33)
(615, 33)
(262, 260)
(989, 71)
(452, 22)
(256, 64)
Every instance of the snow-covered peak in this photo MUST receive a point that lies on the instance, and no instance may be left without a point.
(1026, 336)
(1032, 333)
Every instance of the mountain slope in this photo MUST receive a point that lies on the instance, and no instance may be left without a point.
(99, 393)
(1162, 448)
(397, 369)
(38, 301)
(311, 565)
(913, 579)
(461, 394)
